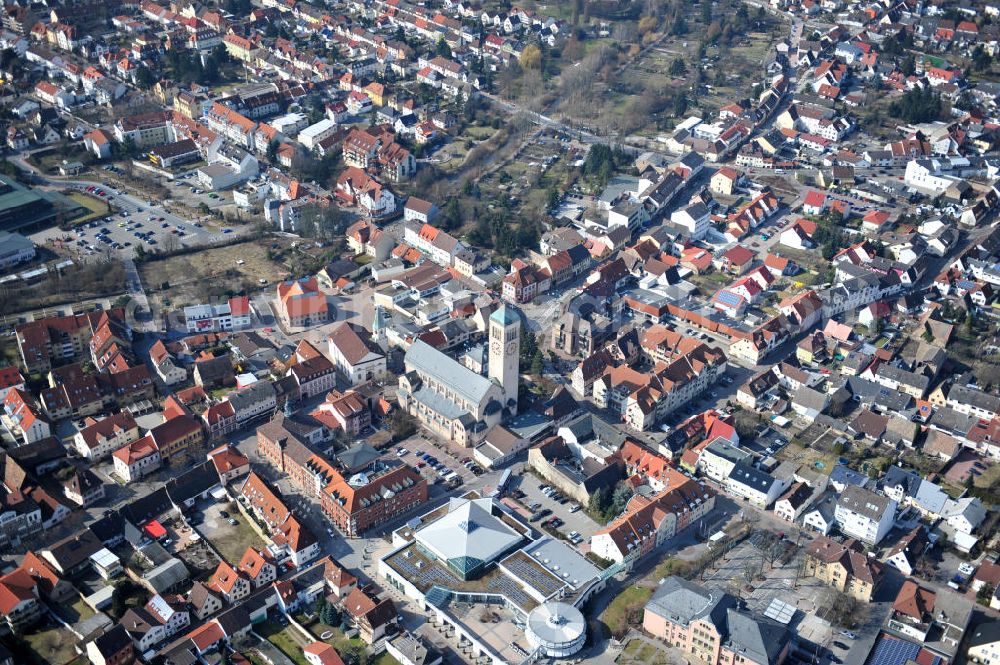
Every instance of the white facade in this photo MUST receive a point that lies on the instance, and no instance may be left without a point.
(926, 176)
(214, 318)
(694, 218)
(313, 134)
(862, 525)
(133, 470)
(505, 344)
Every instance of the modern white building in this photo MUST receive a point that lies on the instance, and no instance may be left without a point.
(719, 458)
(925, 175)
(758, 487)
(233, 314)
(472, 551)
(313, 134)
(865, 515)
(694, 218)
(557, 629)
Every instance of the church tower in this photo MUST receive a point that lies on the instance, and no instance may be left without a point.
(379, 327)
(505, 352)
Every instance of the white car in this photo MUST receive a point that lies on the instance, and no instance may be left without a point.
(401, 451)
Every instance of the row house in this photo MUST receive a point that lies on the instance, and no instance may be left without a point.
(649, 521)
(440, 246)
(231, 124)
(290, 540)
(177, 435)
(137, 459)
(644, 399)
(313, 372)
(524, 282)
(379, 154)
(56, 339)
(100, 438)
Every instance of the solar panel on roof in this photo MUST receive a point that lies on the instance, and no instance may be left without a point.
(729, 298)
(894, 651)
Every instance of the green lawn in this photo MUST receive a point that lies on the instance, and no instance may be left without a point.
(631, 600)
(386, 659)
(75, 612)
(337, 639)
(96, 207)
(286, 640)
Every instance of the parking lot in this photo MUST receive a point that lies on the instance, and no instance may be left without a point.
(417, 445)
(135, 222)
(577, 521)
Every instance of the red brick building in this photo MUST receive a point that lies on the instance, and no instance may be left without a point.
(353, 506)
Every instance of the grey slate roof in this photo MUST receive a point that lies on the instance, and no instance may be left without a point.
(358, 456)
(759, 639)
(903, 376)
(416, 650)
(950, 420)
(897, 477)
(843, 475)
(683, 602)
(752, 477)
(245, 398)
(191, 483)
(864, 502)
(985, 633)
(426, 360)
(975, 397)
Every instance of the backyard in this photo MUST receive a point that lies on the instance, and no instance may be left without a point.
(287, 639)
(50, 644)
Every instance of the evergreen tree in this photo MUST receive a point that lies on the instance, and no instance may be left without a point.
(537, 363)
(917, 105)
(442, 48)
(599, 501)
